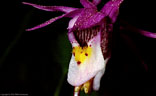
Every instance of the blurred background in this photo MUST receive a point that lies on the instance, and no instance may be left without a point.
(36, 62)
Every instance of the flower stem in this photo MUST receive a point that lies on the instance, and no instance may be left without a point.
(58, 88)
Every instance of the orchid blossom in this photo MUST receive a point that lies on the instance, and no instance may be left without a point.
(89, 32)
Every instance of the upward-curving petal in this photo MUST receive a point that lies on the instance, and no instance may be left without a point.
(111, 9)
(87, 4)
(52, 8)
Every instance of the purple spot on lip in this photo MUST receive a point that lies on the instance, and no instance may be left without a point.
(78, 62)
(86, 54)
(74, 54)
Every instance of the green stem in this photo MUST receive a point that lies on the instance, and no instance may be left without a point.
(57, 91)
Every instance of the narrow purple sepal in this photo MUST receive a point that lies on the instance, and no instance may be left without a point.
(46, 23)
(51, 8)
(70, 14)
(147, 33)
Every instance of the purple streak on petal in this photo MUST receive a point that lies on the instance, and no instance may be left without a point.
(87, 4)
(70, 14)
(111, 9)
(96, 2)
(52, 8)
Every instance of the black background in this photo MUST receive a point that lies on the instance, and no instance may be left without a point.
(28, 60)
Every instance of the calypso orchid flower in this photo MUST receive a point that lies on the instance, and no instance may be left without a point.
(89, 32)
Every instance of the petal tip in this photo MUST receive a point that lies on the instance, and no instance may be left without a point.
(26, 3)
(28, 30)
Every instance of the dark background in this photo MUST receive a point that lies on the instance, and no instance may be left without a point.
(36, 62)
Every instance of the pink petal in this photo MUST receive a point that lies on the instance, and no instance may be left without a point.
(89, 17)
(111, 9)
(96, 2)
(72, 22)
(147, 34)
(51, 8)
(87, 4)
(114, 14)
(72, 39)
